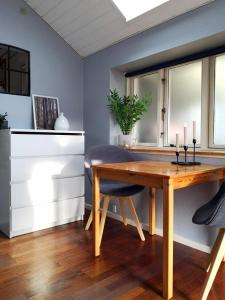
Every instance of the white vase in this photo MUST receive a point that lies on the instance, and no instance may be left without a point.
(125, 140)
(62, 123)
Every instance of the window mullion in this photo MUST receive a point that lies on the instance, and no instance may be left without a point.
(212, 101)
(160, 117)
(213, 139)
(129, 86)
(166, 106)
(205, 104)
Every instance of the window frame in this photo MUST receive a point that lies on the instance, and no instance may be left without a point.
(8, 70)
(204, 102)
(130, 91)
(212, 102)
(163, 103)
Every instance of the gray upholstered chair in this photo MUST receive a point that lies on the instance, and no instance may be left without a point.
(113, 189)
(213, 214)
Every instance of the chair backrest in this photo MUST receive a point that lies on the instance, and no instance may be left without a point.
(213, 212)
(105, 154)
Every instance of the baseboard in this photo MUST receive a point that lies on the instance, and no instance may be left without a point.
(177, 237)
(180, 239)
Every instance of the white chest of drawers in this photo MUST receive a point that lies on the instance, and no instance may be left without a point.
(41, 179)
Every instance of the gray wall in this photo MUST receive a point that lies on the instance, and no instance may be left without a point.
(56, 69)
(189, 29)
(193, 26)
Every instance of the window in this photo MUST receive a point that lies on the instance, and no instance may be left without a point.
(133, 9)
(14, 71)
(184, 84)
(181, 94)
(218, 105)
(146, 131)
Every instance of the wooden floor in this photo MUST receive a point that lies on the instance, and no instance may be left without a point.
(58, 263)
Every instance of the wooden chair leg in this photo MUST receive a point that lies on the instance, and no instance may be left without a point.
(135, 218)
(106, 200)
(215, 264)
(90, 219)
(123, 210)
(215, 249)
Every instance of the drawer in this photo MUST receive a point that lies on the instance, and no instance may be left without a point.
(37, 217)
(34, 192)
(46, 167)
(44, 144)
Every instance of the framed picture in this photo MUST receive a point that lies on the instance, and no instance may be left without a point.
(46, 111)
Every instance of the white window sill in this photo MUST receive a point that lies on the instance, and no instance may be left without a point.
(171, 151)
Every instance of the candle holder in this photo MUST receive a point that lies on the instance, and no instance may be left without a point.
(185, 154)
(185, 162)
(194, 143)
(195, 163)
(177, 161)
(177, 155)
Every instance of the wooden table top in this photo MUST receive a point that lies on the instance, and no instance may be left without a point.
(159, 168)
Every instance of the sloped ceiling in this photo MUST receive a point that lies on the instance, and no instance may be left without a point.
(92, 25)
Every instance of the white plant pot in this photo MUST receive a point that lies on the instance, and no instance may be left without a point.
(125, 140)
(62, 123)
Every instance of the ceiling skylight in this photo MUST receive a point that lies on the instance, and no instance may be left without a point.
(134, 8)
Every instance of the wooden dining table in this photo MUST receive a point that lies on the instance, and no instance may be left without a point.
(155, 175)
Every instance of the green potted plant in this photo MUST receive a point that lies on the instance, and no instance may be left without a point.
(127, 110)
(3, 121)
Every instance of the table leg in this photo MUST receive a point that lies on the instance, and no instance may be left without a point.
(96, 211)
(152, 192)
(168, 220)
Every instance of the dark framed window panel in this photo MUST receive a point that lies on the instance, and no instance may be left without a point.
(14, 70)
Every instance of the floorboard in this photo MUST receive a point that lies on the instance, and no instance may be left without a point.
(58, 263)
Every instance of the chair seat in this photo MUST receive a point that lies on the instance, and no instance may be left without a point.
(123, 191)
(213, 212)
(119, 189)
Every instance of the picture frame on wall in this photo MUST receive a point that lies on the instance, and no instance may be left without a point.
(45, 111)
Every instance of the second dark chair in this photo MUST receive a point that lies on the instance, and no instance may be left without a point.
(113, 189)
(213, 214)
